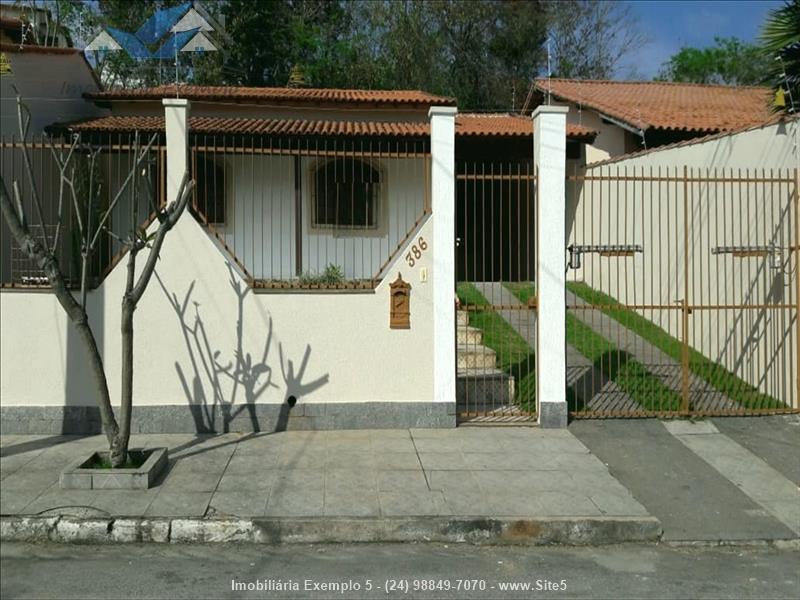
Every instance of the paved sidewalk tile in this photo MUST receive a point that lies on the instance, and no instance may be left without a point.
(179, 504)
(238, 503)
(479, 472)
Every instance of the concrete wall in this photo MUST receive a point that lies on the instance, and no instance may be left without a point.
(206, 345)
(759, 345)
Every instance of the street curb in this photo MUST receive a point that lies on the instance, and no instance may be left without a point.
(572, 531)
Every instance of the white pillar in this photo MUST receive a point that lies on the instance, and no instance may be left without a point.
(549, 158)
(176, 113)
(443, 191)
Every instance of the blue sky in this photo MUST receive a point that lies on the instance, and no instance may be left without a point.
(669, 25)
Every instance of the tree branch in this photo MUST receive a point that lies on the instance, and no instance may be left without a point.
(167, 219)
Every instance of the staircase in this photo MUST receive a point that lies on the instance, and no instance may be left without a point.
(481, 387)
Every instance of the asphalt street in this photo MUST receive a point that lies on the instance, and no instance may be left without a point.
(405, 570)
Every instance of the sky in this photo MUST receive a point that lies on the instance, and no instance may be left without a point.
(669, 25)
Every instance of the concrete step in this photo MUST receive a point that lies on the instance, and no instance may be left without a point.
(475, 357)
(462, 318)
(483, 390)
(469, 336)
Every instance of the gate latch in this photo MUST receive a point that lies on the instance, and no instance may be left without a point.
(618, 250)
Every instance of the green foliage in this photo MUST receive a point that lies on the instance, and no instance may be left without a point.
(729, 61)
(780, 38)
(333, 275)
(714, 373)
(514, 356)
(618, 366)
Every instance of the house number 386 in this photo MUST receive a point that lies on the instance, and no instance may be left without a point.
(416, 251)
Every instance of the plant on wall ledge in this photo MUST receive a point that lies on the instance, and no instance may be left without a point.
(331, 276)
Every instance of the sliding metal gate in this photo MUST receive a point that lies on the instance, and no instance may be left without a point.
(496, 316)
(683, 289)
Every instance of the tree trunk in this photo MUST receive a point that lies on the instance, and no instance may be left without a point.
(76, 313)
(119, 450)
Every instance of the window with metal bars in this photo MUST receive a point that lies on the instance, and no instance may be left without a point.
(345, 194)
(210, 194)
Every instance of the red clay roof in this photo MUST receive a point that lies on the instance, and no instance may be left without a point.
(405, 98)
(666, 105)
(509, 125)
(469, 125)
(242, 126)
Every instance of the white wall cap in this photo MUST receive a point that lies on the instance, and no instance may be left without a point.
(549, 109)
(175, 102)
(442, 111)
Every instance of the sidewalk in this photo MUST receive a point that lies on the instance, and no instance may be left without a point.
(481, 484)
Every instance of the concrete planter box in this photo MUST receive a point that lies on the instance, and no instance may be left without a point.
(80, 476)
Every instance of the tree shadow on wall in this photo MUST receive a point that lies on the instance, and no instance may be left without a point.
(219, 390)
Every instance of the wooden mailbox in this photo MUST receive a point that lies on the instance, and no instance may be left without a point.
(399, 304)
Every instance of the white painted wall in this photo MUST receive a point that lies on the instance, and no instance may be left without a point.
(611, 141)
(753, 343)
(198, 316)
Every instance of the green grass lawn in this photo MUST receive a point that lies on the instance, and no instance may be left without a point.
(615, 364)
(715, 374)
(514, 356)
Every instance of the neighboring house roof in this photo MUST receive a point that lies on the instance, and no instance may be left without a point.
(34, 49)
(51, 50)
(405, 98)
(161, 22)
(666, 105)
(129, 42)
(11, 23)
(467, 125)
(509, 125)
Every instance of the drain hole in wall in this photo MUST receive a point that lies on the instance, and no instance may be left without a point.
(291, 401)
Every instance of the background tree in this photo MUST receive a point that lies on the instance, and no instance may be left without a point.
(590, 39)
(780, 38)
(42, 250)
(729, 61)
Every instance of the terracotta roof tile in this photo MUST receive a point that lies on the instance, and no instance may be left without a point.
(509, 125)
(279, 95)
(241, 126)
(666, 105)
(488, 125)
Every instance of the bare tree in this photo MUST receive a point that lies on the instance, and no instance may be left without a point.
(43, 252)
(590, 38)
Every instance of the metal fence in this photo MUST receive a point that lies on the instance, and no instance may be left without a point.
(495, 265)
(98, 168)
(311, 212)
(682, 292)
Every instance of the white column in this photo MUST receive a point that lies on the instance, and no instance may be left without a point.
(549, 157)
(443, 191)
(176, 113)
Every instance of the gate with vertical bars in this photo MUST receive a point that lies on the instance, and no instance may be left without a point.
(683, 291)
(496, 316)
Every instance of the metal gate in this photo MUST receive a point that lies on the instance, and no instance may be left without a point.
(496, 316)
(682, 293)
